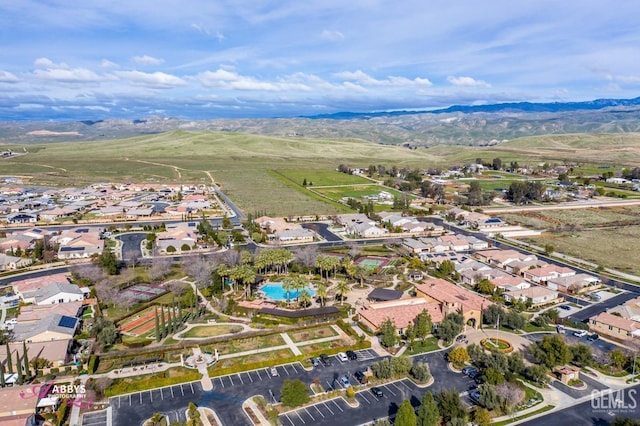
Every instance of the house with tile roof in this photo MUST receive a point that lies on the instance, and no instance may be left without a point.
(454, 299)
(615, 327)
(54, 327)
(402, 312)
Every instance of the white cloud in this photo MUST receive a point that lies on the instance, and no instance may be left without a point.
(7, 77)
(108, 64)
(76, 75)
(629, 79)
(48, 63)
(366, 80)
(156, 80)
(332, 35)
(146, 60)
(232, 80)
(467, 82)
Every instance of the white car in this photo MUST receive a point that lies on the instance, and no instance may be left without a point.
(342, 356)
(580, 333)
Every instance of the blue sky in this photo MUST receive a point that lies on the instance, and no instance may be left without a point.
(62, 59)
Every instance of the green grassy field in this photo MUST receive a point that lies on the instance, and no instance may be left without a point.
(322, 177)
(336, 193)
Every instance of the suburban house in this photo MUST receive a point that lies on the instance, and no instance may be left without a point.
(454, 299)
(29, 284)
(402, 312)
(10, 263)
(535, 295)
(300, 235)
(415, 246)
(79, 243)
(176, 236)
(474, 276)
(543, 274)
(30, 313)
(54, 327)
(577, 283)
(629, 309)
(15, 409)
(501, 258)
(56, 351)
(55, 293)
(510, 283)
(456, 243)
(614, 326)
(22, 218)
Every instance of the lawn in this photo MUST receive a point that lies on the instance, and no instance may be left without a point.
(339, 192)
(259, 358)
(323, 346)
(212, 330)
(137, 383)
(245, 344)
(430, 344)
(312, 333)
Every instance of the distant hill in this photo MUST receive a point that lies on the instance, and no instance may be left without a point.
(510, 107)
(477, 125)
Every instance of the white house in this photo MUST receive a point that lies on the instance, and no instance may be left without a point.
(54, 293)
(535, 294)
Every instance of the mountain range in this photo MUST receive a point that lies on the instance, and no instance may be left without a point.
(455, 125)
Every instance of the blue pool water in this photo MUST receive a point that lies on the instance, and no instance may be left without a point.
(275, 291)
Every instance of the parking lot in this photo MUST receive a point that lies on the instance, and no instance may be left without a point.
(97, 418)
(337, 412)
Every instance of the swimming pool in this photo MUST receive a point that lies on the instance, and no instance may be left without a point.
(275, 291)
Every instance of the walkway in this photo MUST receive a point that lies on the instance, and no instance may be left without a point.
(290, 344)
(208, 304)
(205, 380)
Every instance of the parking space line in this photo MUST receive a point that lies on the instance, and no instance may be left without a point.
(182, 390)
(221, 382)
(266, 371)
(140, 398)
(300, 417)
(395, 386)
(192, 391)
(285, 369)
(129, 400)
(336, 404)
(230, 379)
(250, 378)
(151, 395)
(294, 367)
(240, 377)
(318, 410)
(330, 385)
(161, 395)
(258, 371)
(364, 397)
(287, 417)
(328, 408)
(404, 384)
(390, 391)
(171, 392)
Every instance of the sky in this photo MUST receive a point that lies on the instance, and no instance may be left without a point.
(199, 59)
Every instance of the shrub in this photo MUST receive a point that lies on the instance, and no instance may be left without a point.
(421, 372)
(294, 393)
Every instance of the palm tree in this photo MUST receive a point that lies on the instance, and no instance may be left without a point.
(304, 298)
(288, 285)
(322, 293)
(342, 288)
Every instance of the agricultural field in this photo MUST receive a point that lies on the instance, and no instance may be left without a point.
(321, 177)
(607, 237)
(338, 192)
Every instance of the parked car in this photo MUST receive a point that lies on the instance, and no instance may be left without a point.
(593, 337)
(352, 355)
(344, 381)
(342, 356)
(360, 376)
(565, 307)
(377, 392)
(324, 358)
(560, 329)
(274, 372)
(475, 395)
(462, 339)
(595, 296)
(470, 371)
(315, 362)
(580, 333)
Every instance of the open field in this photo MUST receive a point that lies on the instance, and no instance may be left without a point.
(312, 333)
(615, 248)
(239, 162)
(322, 177)
(338, 192)
(578, 219)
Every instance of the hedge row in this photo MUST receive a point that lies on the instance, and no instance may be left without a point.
(297, 358)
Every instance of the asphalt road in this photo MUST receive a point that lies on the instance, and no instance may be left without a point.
(599, 411)
(322, 229)
(131, 244)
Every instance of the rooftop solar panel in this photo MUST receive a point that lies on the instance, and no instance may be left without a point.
(67, 322)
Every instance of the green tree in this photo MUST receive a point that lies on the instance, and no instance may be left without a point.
(423, 324)
(581, 354)
(549, 249)
(624, 421)
(19, 369)
(109, 262)
(428, 414)
(449, 328)
(458, 356)
(388, 333)
(382, 369)
(406, 415)
(294, 393)
(25, 360)
(451, 407)
(481, 416)
(322, 293)
(617, 358)
(536, 373)
(401, 365)
(421, 372)
(342, 288)
(485, 286)
(157, 326)
(410, 335)
(551, 351)
(492, 376)
(489, 398)
(9, 360)
(516, 363)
